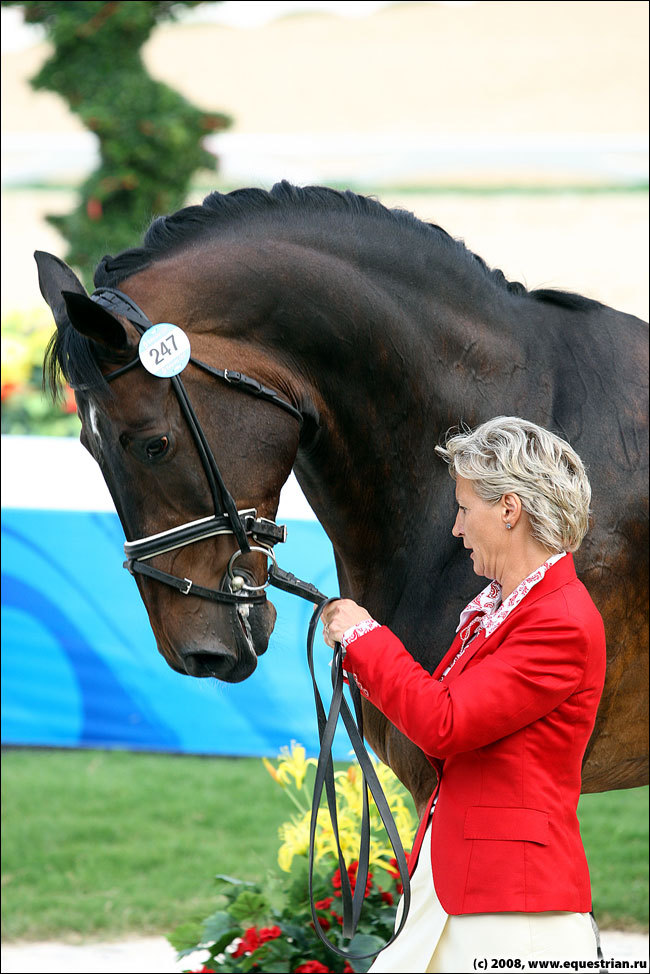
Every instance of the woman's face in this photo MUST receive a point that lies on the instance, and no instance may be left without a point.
(482, 529)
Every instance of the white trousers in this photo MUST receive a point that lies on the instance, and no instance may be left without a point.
(434, 943)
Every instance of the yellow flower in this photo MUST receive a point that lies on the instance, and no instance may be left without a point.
(290, 774)
(293, 764)
(295, 840)
(271, 770)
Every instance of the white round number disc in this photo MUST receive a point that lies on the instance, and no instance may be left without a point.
(164, 350)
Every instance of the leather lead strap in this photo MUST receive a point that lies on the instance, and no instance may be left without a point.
(325, 780)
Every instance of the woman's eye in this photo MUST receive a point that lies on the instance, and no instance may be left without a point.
(156, 448)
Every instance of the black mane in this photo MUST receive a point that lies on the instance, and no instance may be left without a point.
(169, 233)
(77, 358)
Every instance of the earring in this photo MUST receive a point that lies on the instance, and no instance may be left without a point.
(508, 525)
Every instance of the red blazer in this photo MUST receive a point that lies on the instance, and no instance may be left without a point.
(507, 728)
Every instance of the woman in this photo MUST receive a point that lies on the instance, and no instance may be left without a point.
(505, 718)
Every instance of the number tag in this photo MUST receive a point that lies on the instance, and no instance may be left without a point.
(164, 350)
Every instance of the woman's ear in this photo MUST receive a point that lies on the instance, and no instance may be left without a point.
(511, 508)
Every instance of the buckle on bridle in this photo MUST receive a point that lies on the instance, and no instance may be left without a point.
(186, 590)
(267, 531)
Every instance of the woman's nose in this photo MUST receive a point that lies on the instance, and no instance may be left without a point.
(456, 530)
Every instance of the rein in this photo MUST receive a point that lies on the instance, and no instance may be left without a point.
(244, 524)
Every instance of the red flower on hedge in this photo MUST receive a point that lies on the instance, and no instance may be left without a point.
(312, 967)
(324, 904)
(352, 876)
(94, 209)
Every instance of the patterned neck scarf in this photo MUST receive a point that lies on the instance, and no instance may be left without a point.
(495, 611)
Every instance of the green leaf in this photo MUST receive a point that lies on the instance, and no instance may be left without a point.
(364, 943)
(250, 908)
(186, 937)
(215, 927)
(233, 881)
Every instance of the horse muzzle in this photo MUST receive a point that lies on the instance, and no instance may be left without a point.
(231, 654)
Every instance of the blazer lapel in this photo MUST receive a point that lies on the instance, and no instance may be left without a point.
(451, 652)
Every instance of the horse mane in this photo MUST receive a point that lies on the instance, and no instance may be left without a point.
(167, 234)
(77, 358)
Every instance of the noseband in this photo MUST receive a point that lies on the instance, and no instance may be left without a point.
(226, 518)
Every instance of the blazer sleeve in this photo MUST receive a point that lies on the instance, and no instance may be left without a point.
(536, 667)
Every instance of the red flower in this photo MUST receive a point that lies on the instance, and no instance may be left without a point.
(8, 389)
(347, 969)
(393, 862)
(94, 208)
(254, 938)
(323, 922)
(387, 897)
(395, 872)
(324, 904)
(249, 942)
(69, 403)
(312, 967)
(352, 876)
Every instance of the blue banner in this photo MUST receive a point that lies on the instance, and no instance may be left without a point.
(80, 667)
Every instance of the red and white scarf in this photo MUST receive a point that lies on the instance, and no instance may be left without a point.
(490, 603)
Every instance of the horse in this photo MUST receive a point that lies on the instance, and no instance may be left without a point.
(379, 332)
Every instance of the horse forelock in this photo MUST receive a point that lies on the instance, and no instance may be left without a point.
(73, 359)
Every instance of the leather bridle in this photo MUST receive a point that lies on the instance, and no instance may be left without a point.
(237, 593)
(226, 518)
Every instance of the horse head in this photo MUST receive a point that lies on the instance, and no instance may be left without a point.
(155, 469)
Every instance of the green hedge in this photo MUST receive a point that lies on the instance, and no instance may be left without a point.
(150, 137)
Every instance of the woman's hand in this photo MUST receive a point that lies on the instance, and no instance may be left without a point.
(339, 616)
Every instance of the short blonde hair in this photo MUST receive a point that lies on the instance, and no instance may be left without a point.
(512, 455)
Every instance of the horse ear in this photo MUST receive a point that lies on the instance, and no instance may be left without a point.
(53, 277)
(93, 321)
(69, 301)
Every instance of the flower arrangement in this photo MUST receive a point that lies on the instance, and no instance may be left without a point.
(26, 409)
(267, 926)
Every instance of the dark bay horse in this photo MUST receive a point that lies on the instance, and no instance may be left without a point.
(382, 332)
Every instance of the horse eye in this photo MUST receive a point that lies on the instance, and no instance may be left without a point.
(157, 447)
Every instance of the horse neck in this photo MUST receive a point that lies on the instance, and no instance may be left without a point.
(386, 392)
(393, 356)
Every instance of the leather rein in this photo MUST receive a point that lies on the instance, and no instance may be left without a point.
(237, 592)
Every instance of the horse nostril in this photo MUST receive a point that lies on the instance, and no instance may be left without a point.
(219, 666)
(208, 664)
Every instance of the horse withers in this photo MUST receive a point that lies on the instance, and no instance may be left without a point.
(378, 332)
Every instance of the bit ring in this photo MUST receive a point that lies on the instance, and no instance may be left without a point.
(250, 588)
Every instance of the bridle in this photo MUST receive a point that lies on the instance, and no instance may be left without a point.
(237, 593)
(226, 519)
